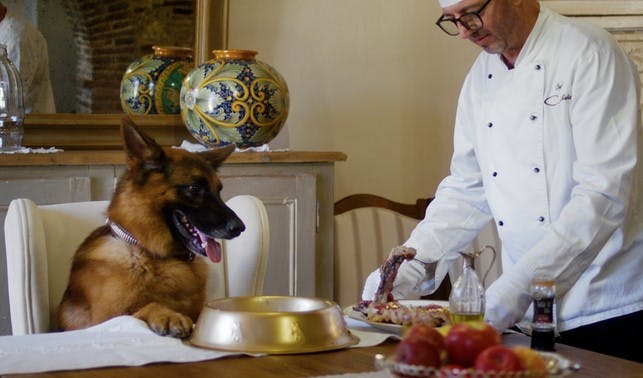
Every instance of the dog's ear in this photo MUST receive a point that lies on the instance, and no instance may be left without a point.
(140, 147)
(217, 156)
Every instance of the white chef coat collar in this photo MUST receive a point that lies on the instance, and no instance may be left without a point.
(448, 3)
(534, 35)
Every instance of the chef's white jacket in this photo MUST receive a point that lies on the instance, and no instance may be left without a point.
(27, 50)
(549, 150)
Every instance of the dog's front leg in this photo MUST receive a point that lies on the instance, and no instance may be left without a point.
(165, 321)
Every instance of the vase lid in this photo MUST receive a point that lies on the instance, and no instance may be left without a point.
(234, 54)
(174, 51)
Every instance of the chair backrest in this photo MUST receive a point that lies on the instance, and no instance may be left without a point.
(41, 241)
(366, 228)
(246, 255)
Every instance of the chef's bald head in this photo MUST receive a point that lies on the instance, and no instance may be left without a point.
(448, 3)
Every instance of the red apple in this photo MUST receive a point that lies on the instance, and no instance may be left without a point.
(498, 358)
(466, 340)
(417, 351)
(430, 334)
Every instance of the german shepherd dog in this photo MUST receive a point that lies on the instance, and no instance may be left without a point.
(166, 208)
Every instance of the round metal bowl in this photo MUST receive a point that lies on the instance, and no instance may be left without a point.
(272, 324)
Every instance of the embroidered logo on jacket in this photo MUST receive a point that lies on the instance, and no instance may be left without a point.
(557, 98)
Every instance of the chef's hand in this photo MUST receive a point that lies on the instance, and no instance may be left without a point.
(406, 284)
(507, 299)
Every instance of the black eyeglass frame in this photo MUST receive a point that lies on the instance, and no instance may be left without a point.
(455, 21)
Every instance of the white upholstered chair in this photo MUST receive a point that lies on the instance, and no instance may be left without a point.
(41, 240)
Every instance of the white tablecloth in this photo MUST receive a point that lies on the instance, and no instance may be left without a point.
(122, 341)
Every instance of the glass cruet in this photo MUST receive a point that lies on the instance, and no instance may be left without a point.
(467, 298)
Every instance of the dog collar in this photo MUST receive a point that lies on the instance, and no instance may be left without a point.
(121, 233)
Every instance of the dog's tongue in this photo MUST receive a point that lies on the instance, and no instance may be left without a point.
(211, 246)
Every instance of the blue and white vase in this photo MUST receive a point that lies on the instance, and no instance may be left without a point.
(152, 84)
(234, 99)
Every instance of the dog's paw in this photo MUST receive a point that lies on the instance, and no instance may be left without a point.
(175, 325)
(164, 321)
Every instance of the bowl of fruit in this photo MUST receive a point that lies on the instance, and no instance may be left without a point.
(471, 350)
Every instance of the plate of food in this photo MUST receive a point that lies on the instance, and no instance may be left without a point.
(467, 351)
(386, 313)
(393, 316)
(552, 365)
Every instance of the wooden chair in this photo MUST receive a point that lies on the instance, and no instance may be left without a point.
(355, 201)
(366, 227)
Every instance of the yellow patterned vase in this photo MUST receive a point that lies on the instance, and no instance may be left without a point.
(234, 99)
(152, 84)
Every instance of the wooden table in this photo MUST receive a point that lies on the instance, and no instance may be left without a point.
(352, 360)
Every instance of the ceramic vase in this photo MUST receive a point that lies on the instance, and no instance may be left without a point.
(234, 99)
(152, 84)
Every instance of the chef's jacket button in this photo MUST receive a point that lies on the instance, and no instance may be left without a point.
(490, 124)
(533, 117)
(541, 219)
(536, 170)
(538, 67)
(494, 174)
(501, 223)
(489, 76)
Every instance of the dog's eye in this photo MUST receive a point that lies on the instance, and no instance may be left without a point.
(194, 190)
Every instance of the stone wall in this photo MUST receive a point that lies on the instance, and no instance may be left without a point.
(109, 35)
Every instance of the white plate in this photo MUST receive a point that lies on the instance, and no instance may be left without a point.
(389, 327)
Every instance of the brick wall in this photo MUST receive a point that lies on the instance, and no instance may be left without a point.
(109, 35)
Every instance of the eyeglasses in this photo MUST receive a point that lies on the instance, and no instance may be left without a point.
(470, 21)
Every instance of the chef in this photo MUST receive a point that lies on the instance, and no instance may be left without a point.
(27, 50)
(547, 144)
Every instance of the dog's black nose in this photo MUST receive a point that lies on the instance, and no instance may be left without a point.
(235, 227)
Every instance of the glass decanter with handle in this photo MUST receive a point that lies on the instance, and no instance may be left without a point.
(467, 298)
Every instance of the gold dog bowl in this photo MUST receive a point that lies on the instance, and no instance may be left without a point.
(272, 324)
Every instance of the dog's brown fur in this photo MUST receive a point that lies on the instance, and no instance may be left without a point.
(157, 279)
